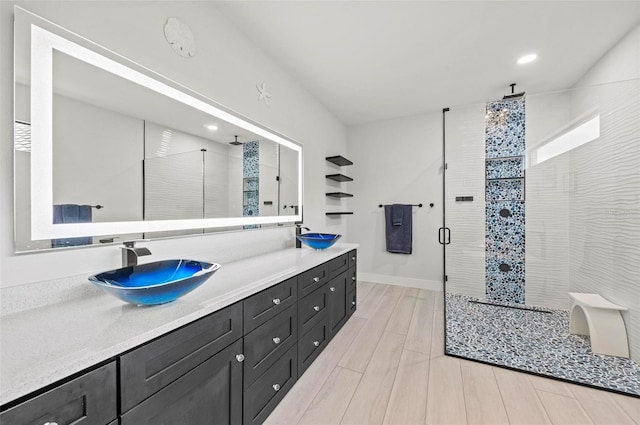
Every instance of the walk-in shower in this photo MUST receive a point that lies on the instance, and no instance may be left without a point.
(542, 198)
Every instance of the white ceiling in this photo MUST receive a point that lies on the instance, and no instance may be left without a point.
(372, 60)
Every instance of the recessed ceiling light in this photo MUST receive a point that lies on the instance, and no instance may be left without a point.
(211, 127)
(527, 59)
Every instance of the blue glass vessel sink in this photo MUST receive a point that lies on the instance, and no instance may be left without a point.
(318, 240)
(155, 283)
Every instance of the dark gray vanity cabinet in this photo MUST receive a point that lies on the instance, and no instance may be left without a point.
(87, 400)
(211, 393)
(231, 367)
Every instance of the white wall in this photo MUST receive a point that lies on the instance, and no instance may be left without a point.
(605, 200)
(396, 161)
(226, 68)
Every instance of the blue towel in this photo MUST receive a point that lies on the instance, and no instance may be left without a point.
(399, 236)
(72, 213)
(397, 211)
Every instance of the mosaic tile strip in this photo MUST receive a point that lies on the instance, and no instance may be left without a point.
(505, 233)
(505, 190)
(251, 172)
(505, 218)
(504, 168)
(535, 342)
(505, 128)
(505, 276)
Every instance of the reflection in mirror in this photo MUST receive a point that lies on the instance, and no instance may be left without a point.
(131, 156)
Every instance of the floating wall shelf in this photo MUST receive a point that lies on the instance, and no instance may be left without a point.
(339, 160)
(339, 195)
(339, 177)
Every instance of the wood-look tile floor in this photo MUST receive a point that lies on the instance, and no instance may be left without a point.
(387, 366)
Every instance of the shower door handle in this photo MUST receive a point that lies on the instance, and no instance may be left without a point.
(444, 236)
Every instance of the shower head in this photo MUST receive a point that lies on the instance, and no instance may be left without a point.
(512, 95)
(235, 142)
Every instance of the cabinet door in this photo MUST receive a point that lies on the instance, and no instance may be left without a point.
(209, 394)
(147, 369)
(88, 399)
(337, 301)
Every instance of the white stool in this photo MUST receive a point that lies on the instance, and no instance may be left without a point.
(600, 319)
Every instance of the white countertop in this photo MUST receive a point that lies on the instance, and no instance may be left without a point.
(43, 345)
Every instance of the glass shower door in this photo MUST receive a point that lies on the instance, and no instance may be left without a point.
(529, 224)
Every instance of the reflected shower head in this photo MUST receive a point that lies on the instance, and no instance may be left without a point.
(512, 95)
(235, 142)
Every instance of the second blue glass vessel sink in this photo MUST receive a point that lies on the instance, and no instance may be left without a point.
(155, 283)
(319, 240)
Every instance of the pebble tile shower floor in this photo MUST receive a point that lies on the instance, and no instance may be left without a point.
(537, 341)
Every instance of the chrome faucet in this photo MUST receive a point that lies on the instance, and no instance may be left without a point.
(130, 253)
(299, 232)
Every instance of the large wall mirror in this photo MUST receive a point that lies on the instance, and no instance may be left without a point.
(106, 150)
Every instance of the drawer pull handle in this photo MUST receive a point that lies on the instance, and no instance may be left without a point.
(353, 278)
(332, 289)
(276, 340)
(316, 307)
(353, 258)
(276, 301)
(276, 387)
(240, 357)
(316, 343)
(316, 279)
(353, 303)
(51, 423)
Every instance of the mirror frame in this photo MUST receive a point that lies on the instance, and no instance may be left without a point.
(43, 43)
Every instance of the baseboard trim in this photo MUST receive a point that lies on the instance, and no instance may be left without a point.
(431, 285)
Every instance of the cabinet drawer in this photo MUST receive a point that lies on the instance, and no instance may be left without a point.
(153, 366)
(267, 304)
(312, 344)
(338, 265)
(352, 300)
(353, 278)
(265, 345)
(311, 310)
(265, 394)
(353, 258)
(88, 399)
(312, 279)
(209, 394)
